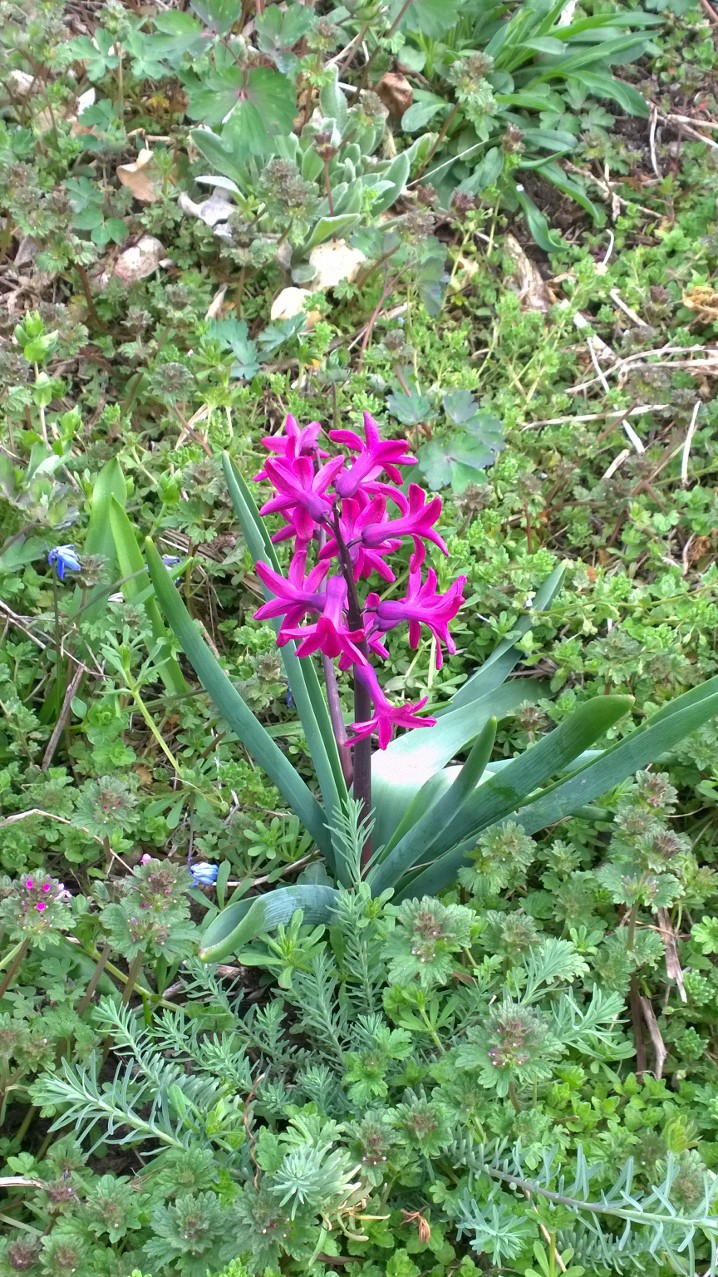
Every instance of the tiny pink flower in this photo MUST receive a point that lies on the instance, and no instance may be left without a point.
(46, 886)
(29, 884)
(41, 905)
(145, 860)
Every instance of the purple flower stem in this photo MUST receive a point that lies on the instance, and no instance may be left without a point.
(361, 787)
(335, 713)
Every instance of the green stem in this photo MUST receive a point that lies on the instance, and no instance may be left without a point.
(441, 135)
(431, 1030)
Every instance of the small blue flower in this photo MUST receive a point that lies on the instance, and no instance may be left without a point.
(204, 874)
(63, 557)
(169, 560)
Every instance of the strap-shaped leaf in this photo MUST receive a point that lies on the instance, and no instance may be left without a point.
(230, 705)
(135, 588)
(508, 791)
(99, 541)
(301, 674)
(243, 921)
(497, 667)
(428, 833)
(399, 772)
(662, 731)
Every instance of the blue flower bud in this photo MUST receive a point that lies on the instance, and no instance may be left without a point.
(63, 557)
(203, 873)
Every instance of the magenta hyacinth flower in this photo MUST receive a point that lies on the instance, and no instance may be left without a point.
(422, 605)
(294, 595)
(302, 495)
(336, 510)
(375, 455)
(417, 523)
(297, 441)
(386, 716)
(330, 633)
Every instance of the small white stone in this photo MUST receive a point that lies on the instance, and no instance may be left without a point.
(334, 263)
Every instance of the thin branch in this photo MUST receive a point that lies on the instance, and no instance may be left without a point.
(62, 717)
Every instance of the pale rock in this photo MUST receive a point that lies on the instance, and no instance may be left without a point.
(21, 83)
(335, 262)
(217, 208)
(139, 261)
(291, 302)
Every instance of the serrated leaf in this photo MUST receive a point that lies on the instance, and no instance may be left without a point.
(234, 335)
(218, 15)
(280, 30)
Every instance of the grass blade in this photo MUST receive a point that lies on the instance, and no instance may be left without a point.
(422, 837)
(135, 589)
(506, 793)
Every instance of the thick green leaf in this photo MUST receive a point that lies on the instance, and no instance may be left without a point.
(546, 239)
(430, 18)
(496, 669)
(301, 674)
(230, 705)
(575, 189)
(397, 173)
(506, 793)
(662, 731)
(326, 227)
(99, 541)
(135, 587)
(607, 86)
(243, 921)
(221, 155)
(428, 832)
(218, 15)
(399, 772)
(332, 101)
(423, 109)
(601, 54)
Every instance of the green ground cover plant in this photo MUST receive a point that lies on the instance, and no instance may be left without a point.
(494, 230)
